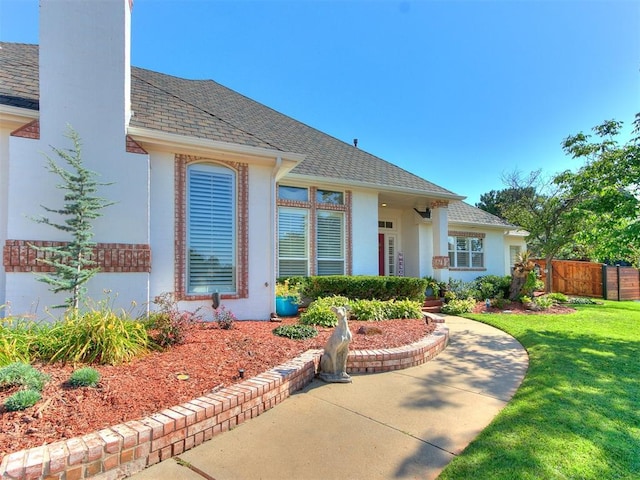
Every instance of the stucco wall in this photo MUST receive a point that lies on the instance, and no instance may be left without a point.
(365, 232)
(4, 172)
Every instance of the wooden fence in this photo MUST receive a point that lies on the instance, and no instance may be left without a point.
(593, 279)
(621, 283)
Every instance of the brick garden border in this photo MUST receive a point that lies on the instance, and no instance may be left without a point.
(127, 448)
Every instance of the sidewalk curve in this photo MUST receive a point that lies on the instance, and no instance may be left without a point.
(401, 424)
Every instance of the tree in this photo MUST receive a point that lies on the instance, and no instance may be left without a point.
(551, 215)
(72, 262)
(609, 183)
(496, 201)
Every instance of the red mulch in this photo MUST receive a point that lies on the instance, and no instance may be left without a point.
(211, 357)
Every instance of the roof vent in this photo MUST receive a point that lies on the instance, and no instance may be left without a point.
(355, 142)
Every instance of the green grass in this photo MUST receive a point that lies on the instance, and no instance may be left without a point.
(577, 412)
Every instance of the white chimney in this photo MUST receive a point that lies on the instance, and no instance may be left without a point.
(85, 71)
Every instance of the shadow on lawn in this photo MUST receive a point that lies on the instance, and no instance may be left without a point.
(576, 415)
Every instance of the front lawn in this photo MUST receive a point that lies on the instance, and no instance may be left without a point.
(577, 413)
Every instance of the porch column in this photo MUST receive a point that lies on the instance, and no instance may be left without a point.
(440, 224)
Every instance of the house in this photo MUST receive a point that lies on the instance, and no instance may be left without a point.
(213, 191)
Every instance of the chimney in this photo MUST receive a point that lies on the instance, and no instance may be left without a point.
(85, 71)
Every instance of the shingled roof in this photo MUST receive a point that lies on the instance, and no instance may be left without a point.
(206, 109)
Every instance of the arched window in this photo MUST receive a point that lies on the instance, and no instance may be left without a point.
(211, 229)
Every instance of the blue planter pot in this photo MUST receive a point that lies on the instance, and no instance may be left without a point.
(285, 307)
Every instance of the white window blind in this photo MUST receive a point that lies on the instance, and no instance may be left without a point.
(466, 252)
(292, 242)
(330, 243)
(211, 235)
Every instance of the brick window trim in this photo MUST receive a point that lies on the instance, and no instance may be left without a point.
(465, 269)
(242, 227)
(313, 206)
(20, 256)
(453, 233)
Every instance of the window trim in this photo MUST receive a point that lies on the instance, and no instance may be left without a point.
(313, 206)
(180, 225)
(468, 236)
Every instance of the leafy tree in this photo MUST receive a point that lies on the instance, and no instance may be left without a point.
(551, 215)
(496, 201)
(72, 262)
(609, 182)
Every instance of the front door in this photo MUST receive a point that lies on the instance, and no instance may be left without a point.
(387, 254)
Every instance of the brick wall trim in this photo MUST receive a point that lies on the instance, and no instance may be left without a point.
(23, 256)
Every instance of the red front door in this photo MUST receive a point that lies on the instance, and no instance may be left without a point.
(381, 254)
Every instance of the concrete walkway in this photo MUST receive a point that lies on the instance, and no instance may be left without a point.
(402, 424)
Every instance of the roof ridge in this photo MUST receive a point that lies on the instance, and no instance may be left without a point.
(196, 106)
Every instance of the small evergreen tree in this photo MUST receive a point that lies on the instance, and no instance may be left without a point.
(72, 262)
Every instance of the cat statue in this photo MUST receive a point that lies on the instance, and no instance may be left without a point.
(333, 363)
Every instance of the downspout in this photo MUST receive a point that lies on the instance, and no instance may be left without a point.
(272, 230)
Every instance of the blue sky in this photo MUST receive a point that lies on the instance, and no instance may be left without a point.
(457, 92)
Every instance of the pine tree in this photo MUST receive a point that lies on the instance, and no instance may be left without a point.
(72, 262)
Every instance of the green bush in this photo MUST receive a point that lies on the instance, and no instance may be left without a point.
(23, 375)
(22, 400)
(319, 312)
(364, 287)
(457, 306)
(460, 289)
(403, 309)
(558, 297)
(543, 302)
(370, 310)
(296, 332)
(97, 336)
(491, 286)
(84, 377)
(582, 301)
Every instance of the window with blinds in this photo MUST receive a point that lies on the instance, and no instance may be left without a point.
(330, 243)
(293, 259)
(466, 252)
(211, 229)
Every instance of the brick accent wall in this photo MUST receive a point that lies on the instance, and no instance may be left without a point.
(32, 130)
(127, 448)
(21, 256)
(242, 226)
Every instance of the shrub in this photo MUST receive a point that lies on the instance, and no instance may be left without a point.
(295, 332)
(23, 375)
(543, 302)
(403, 309)
(370, 310)
(84, 377)
(458, 306)
(319, 312)
(97, 336)
(558, 297)
(582, 301)
(168, 325)
(492, 286)
(364, 287)
(22, 400)
(224, 317)
(460, 289)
